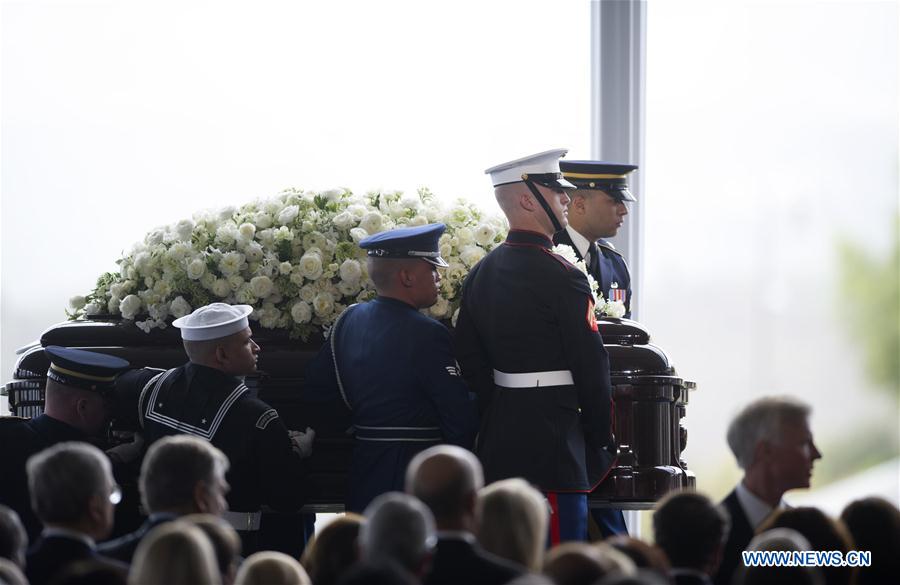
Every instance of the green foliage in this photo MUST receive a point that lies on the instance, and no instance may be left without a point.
(874, 282)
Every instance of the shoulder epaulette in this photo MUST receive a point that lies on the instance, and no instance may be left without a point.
(608, 246)
(568, 265)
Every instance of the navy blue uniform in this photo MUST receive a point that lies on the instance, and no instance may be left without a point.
(393, 367)
(54, 553)
(609, 269)
(527, 313)
(21, 438)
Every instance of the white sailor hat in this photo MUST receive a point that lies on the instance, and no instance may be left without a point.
(541, 168)
(213, 321)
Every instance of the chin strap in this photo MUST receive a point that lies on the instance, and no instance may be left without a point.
(557, 227)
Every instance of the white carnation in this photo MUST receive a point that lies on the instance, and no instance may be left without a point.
(244, 295)
(307, 293)
(358, 234)
(418, 220)
(207, 280)
(311, 265)
(253, 252)
(130, 306)
(227, 234)
(221, 288)
(357, 210)
(567, 252)
(158, 311)
(236, 281)
(247, 231)
(314, 240)
(296, 276)
(323, 304)
(441, 309)
(155, 237)
(351, 271)
(262, 220)
(178, 251)
(261, 286)
(348, 288)
(301, 312)
(332, 195)
(184, 229)
(285, 268)
(227, 212)
(266, 237)
(179, 307)
(142, 263)
(344, 220)
(92, 308)
(288, 214)
(465, 236)
(196, 268)
(615, 309)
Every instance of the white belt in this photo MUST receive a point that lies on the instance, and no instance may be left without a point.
(245, 521)
(533, 379)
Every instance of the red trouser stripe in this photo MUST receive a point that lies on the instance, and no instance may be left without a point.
(554, 518)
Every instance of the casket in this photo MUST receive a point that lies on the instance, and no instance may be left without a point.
(650, 401)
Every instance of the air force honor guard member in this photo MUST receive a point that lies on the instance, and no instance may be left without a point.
(597, 211)
(393, 367)
(207, 398)
(528, 345)
(77, 408)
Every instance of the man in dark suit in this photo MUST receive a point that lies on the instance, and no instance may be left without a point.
(773, 444)
(180, 475)
(529, 346)
(690, 530)
(73, 493)
(77, 407)
(394, 367)
(596, 212)
(447, 479)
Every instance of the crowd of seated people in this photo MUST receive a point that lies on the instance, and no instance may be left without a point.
(447, 527)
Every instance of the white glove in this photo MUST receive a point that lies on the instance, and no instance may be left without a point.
(127, 452)
(302, 442)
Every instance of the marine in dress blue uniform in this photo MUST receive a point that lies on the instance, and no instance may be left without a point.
(208, 398)
(79, 386)
(528, 345)
(597, 210)
(394, 367)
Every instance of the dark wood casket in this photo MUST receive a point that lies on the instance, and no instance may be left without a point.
(650, 401)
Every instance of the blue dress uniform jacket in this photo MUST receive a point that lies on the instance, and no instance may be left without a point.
(393, 367)
(20, 438)
(525, 309)
(610, 268)
(218, 407)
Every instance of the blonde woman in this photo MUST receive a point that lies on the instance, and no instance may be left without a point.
(175, 553)
(513, 522)
(271, 568)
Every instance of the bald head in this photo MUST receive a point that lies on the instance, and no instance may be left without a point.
(447, 479)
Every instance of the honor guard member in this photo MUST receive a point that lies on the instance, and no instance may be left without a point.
(393, 367)
(528, 345)
(597, 211)
(207, 398)
(77, 407)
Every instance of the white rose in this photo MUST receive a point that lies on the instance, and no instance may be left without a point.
(262, 220)
(323, 304)
(411, 201)
(155, 237)
(269, 317)
(92, 308)
(207, 280)
(285, 268)
(314, 240)
(261, 286)
(446, 251)
(247, 231)
(348, 288)
(311, 265)
(162, 288)
(266, 237)
(77, 302)
(307, 293)
(178, 251)
(296, 277)
(231, 263)
(254, 252)
(358, 234)
(357, 210)
(344, 220)
(196, 268)
(142, 263)
(465, 236)
(235, 281)
(350, 270)
(273, 206)
(244, 295)
(332, 195)
(184, 229)
(418, 220)
(371, 222)
(179, 307)
(227, 212)
(221, 288)
(118, 289)
(301, 313)
(470, 255)
(288, 214)
(130, 306)
(159, 311)
(484, 235)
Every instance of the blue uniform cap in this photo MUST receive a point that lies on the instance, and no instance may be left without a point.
(409, 242)
(608, 177)
(88, 370)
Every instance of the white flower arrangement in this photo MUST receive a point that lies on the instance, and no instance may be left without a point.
(295, 258)
(602, 307)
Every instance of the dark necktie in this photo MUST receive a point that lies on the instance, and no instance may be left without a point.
(594, 262)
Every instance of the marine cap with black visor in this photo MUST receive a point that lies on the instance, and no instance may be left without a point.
(536, 169)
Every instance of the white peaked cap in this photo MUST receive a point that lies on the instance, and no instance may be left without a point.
(213, 321)
(535, 164)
